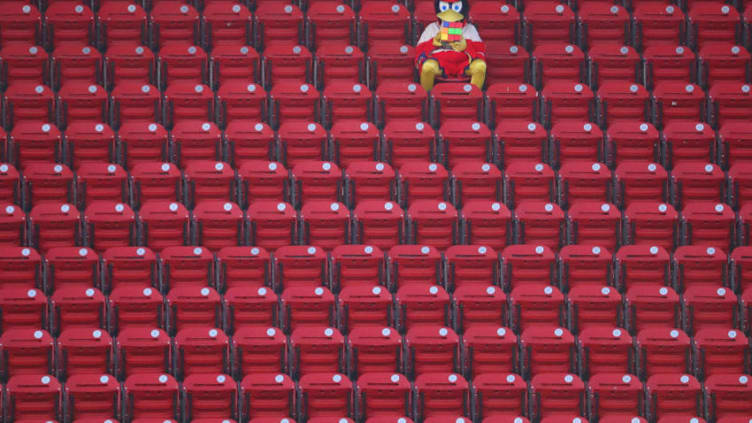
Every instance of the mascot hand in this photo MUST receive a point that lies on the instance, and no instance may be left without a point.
(437, 40)
(460, 45)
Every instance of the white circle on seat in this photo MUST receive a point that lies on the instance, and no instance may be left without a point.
(475, 126)
(442, 206)
(735, 50)
(82, 252)
(206, 126)
(89, 292)
(96, 334)
(710, 251)
(624, 50)
(663, 291)
(679, 50)
(626, 378)
(559, 9)
(328, 332)
(644, 127)
(213, 333)
(569, 49)
(147, 292)
(31, 293)
(311, 127)
(614, 9)
(111, 168)
(311, 250)
(395, 378)
(119, 208)
(388, 206)
(104, 379)
(319, 291)
(304, 88)
(79, 9)
(46, 127)
(662, 208)
(364, 126)
(605, 291)
(197, 251)
(261, 292)
(281, 206)
(45, 380)
(558, 332)
(236, 8)
(467, 88)
(38, 334)
(432, 167)
(420, 126)
(173, 207)
(336, 378)
(205, 292)
(531, 126)
(251, 88)
(674, 333)
(548, 207)
(522, 88)
(548, 290)
(25, 252)
(368, 249)
(340, 9)
(65, 208)
(721, 292)
(434, 290)
(495, 206)
(376, 290)
(732, 334)
(596, 250)
(539, 250)
(485, 167)
(684, 379)
(386, 332)
(514, 49)
(271, 332)
(255, 251)
(334, 206)
(501, 332)
(412, 87)
(539, 167)
(652, 167)
(669, 9)
(605, 208)
(568, 378)
(279, 378)
(162, 379)
(288, 9)
(743, 379)
(244, 50)
(616, 333)
(221, 379)
(452, 378)
(425, 250)
(719, 208)
(490, 290)
(154, 333)
(296, 50)
(700, 127)
(3, 168)
(395, 8)
(92, 89)
(10, 209)
(578, 88)
(152, 127)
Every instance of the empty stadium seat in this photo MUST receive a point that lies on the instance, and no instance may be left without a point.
(666, 63)
(545, 22)
(172, 23)
(566, 101)
(306, 307)
(77, 307)
(374, 349)
(267, 395)
(201, 351)
(233, 64)
(508, 63)
(463, 141)
(249, 307)
(546, 349)
(101, 181)
(92, 396)
(475, 181)
(141, 142)
(71, 267)
(605, 350)
(294, 103)
(27, 351)
(727, 102)
(24, 63)
(383, 394)
(378, 223)
(708, 23)
(383, 23)
(698, 266)
(357, 266)
(708, 223)
(243, 267)
(368, 181)
(662, 350)
(455, 100)
(286, 64)
(277, 24)
(500, 396)
(726, 396)
(471, 265)
(651, 223)
(390, 62)
(28, 102)
(259, 350)
(23, 308)
(186, 100)
(672, 396)
(34, 397)
(596, 223)
(164, 224)
(151, 395)
(344, 101)
(537, 305)
(328, 24)
(183, 266)
(247, 143)
(313, 180)
(131, 306)
(134, 101)
(554, 394)
(658, 24)
(301, 141)
(84, 351)
(406, 141)
(121, 24)
(622, 101)
(400, 100)
(218, 224)
(212, 395)
(418, 180)
(12, 225)
(68, 23)
(10, 182)
(726, 62)
(676, 101)
(693, 181)
(616, 396)
(21, 23)
(225, 23)
(300, 266)
(192, 307)
(261, 180)
(612, 62)
(142, 350)
(421, 305)
(575, 141)
(124, 63)
(441, 394)
(539, 222)
(81, 102)
(557, 61)
(109, 224)
(363, 305)
(583, 265)
(602, 24)
(528, 181)
(47, 183)
(324, 395)
(355, 142)
(717, 353)
(432, 222)
(272, 224)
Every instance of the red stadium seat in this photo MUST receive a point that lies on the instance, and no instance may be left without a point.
(12, 225)
(441, 394)
(226, 23)
(601, 23)
(70, 268)
(101, 181)
(676, 101)
(566, 101)
(286, 64)
(594, 305)
(418, 180)
(210, 396)
(462, 141)
(528, 181)
(402, 101)
(368, 181)
(739, 262)
(726, 62)
(527, 264)
(553, 394)
(709, 24)
(54, 225)
(134, 307)
(422, 305)
(593, 222)
(727, 396)
(662, 350)
(328, 24)
(500, 24)
(605, 350)
(521, 140)
(693, 181)
(374, 349)
(383, 23)
(300, 141)
(233, 64)
(47, 183)
(364, 306)
(195, 141)
(141, 350)
(406, 141)
(68, 23)
(346, 101)
(124, 63)
(583, 265)
(546, 349)
(390, 63)
(355, 142)
(611, 63)
(508, 63)
(201, 351)
(134, 101)
(658, 24)
(651, 307)
(622, 101)
(81, 102)
(500, 397)
(486, 223)
(192, 307)
(272, 224)
(672, 396)
(277, 24)
(150, 396)
(471, 265)
(22, 62)
(357, 266)
(717, 353)
(20, 23)
(164, 224)
(173, 23)
(413, 264)
(23, 308)
(729, 102)
(640, 182)
(632, 141)
(186, 266)
(383, 394)
(77, 307)
(259, 350)
(218, 224)
(187, 101)
(538, 222)
(10, 181)
(557, 61)
(243, 267)
(267, 395)
(739, 185)
(432, 222)
(92, 396)
(293, 103)
(489, 347)
(34, 397)
(246, 143)
(141, 142)
(651, 223)
(109, 224)
(120, 24)
(510, 101)
(324, 395)
(534, 306)
(27, 351)
(29, 103)
(263, 180)
(545, 22)
(315, 181)
(84, 351)
(455, 100)
(301, 266)
(475, 181)
(709, 307)
(667, 63)
(575, 141)
(306, 307)
(245, 307)
(699, 266)
(615, 396)
(708, 223)
(378, 223)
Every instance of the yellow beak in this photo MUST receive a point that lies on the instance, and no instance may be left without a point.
(450, 16)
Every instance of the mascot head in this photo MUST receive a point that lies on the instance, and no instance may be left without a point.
(451, 11)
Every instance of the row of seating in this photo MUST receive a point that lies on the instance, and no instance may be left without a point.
(348, 266)
(330, 397)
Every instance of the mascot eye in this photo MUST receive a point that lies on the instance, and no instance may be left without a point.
(443, 6)
(457, 6)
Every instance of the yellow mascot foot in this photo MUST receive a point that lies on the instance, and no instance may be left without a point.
(428, 73)
(477, 73)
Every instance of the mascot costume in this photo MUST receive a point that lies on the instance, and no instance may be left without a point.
(451, 47)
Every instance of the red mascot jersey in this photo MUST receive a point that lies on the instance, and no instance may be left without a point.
(452, 63)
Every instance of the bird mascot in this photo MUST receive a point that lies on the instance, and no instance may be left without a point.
(451, 47)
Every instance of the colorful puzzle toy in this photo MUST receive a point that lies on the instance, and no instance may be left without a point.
(451, 31)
